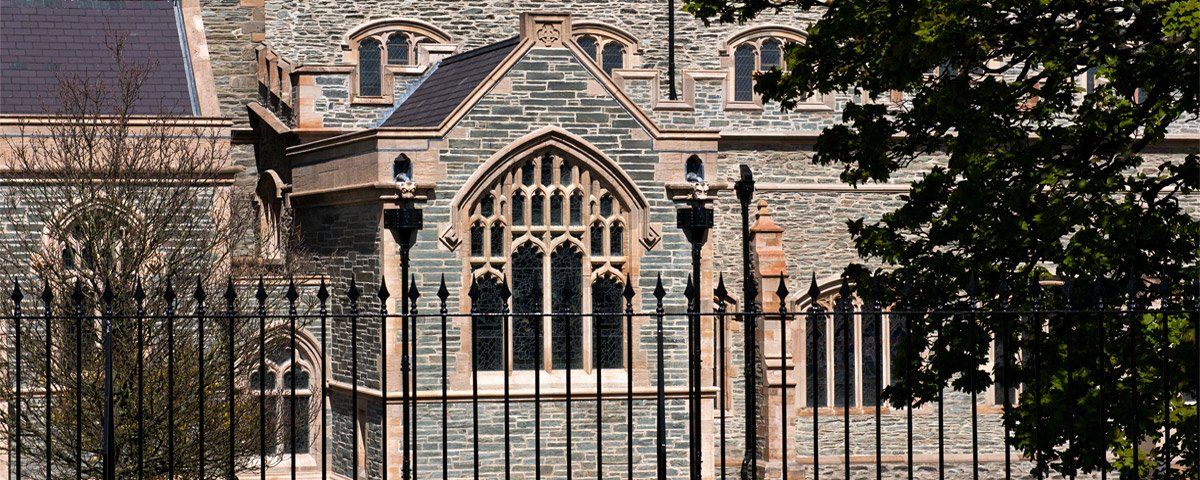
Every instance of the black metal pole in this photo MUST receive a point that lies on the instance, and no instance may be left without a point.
(695, 220)
(352, 294)
(629, 294)
(169, 296)
(47, 315)
(413, 295)
(846, 305)
(292, 296)
(745, 192)
(661, 417)
(77, 296)
(444, 294)
(139, 297)
(782, 293)
(109, 448)
(383, 296)
(323, 313)
(671, 49)
(261, 296)
(721, 293)
(230, 298)
(16, 315)
(474, 294)
(201, 380)
(816, 318)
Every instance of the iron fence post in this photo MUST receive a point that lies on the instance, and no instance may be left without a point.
(745, 192)
(695, 220)
(16, 302)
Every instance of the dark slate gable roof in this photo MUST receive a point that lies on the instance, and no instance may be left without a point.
(448, 85)
(43, 39)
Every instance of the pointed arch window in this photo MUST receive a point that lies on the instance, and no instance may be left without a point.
(369, 68)
(840, 328)
(560, 241)
(610, 48)
(757, 50)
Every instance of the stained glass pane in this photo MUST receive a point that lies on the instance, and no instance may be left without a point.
(527, 299)
(369, 52)
(566, 296)
(870, 352)
(536, 208)
(518, 209)
(597, 239)
(488, 344)
(614, 57)
(815, 349)
(527, 173)
(616, 239)
(547, 170)
(556, 210)
(607, 320)
(843, 344)
(743, 74)
(606, 206)
(588, 44)
(487, 206)
(397, 49)
(577, 209)
(772, 54)
(564, 174)
(477, 240)
(497, 239)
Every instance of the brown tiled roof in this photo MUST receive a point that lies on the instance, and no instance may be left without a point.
(42, 41)
(450, 83)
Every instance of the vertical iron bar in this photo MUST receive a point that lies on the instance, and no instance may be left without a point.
(77, 296)
(629, 293)
(569, 354)
(169, 296)
(692, 295)
(1068, 318)
(877, 313)
(413, 295)
(383, 380)
(941, 405)
(847, 306)
(47, 315)
(16, 300)
(323, 313)
(261, 296)
(1006, 367)
(905, 304)
(1102, 372)
(109, 446)
(474, 294)
(721, 293)
(443, 294)
(599, 399)
(745, 192)
(506, 354)
(814, 316)
(970, 308)
(1035, 318)
(537, 398)
(406, 395)
(782, 294)
(1164, 341)
(352, 295)
(1135, 335)
(671, 49)
(201, 381)
(292, 295)
(230, 340)
(661, 414)
(139, 296)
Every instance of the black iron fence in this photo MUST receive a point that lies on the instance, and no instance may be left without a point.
(79, 404)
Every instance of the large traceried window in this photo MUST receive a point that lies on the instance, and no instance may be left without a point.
(558, 234)
(839, 328)
(280, 376)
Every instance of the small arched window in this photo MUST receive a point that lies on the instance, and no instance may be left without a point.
(772, 54)
(397, 49)
(369, 68)
(694, 170)
(402, 169)
(613, 57)
(609, 47)
(743, 73)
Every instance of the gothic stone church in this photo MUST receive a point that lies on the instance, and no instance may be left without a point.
(542, 142)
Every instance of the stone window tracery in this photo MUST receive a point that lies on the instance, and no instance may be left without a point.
(556, 232)
(384, 48)
(824, 346)
(610, 48)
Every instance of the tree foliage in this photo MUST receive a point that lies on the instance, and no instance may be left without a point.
(1047, 124)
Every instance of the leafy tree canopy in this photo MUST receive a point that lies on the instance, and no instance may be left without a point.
(1046, 122)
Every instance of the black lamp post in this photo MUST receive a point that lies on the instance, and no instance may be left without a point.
(695, 220)
(745, 192)
(404, 222)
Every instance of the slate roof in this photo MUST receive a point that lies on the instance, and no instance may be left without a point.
(43, 39)
(450, 83)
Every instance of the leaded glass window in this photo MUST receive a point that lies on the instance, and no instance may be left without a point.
(772, 54)
(841, 328)
(607, 310)
(397, 49)
(588, 44)
(612, 58)
(743, 73)
(369, 68)
(277, 380)
(561, 245)
(487, 335)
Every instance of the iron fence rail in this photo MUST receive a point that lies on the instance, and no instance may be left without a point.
(32, 381)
